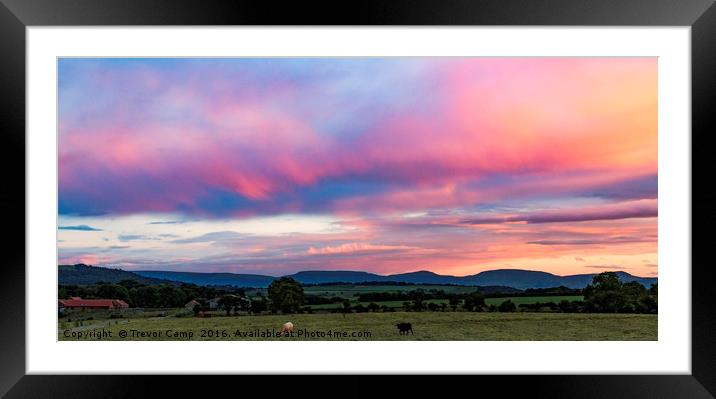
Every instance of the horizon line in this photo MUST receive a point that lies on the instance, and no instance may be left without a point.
(358, 271)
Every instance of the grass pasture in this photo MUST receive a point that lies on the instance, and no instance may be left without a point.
(428, 326)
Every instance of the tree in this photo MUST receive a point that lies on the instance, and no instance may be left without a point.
(129, 284)
(286, 295)
(571, 306)
(605, 294)
(145, 297)
(113, 291)
(418, 297)
(171, 297)
(507, 306)
(606, 281)
(647, 302)
(228, 302)
(258, 305)
(346, 307)
(454, 302)
(242, 304)
(474, 302)
(651, 300)
(565, 306)
(654, 289)
(373, 307)
(633, 293)
(189, 291)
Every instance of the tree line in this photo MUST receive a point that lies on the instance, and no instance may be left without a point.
(421, 294)
(606, 294)
(137, 294)
(285, 295)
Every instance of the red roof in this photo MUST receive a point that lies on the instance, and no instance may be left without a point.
(121, 303)
(108, 303)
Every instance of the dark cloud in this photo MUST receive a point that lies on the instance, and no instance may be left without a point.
(585, 217)
(169, 222)
(607, 212)
(644, 187)
(607, 267)
(80, 227)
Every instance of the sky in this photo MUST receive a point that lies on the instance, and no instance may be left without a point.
(387, 165)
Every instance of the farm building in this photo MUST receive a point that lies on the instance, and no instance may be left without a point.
(214, 303)
(190, 305)
(77, 303)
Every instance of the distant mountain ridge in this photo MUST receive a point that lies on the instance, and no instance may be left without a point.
(515, 278)
(81, 274)
(239, 280)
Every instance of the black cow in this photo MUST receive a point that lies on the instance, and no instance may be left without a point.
(404, 328)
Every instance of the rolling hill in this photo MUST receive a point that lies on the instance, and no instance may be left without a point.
(520, 279)
(239, 280)
(515, 278)
(524, 279)
(81, 274)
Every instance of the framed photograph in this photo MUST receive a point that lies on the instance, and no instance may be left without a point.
(499, 188)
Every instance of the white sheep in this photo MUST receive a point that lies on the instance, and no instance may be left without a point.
(286, 329)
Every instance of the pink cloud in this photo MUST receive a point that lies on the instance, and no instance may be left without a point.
(623, 210)
(354, 247)
(476, 145)
(521, 117)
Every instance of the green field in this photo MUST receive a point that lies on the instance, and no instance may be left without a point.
(349, 291)
(488, 301)
(427, 326)
(390, 304)
(519, 300)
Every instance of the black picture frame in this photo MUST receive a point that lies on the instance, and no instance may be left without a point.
(16, 15)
